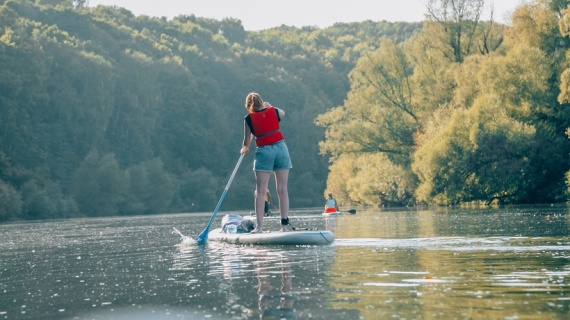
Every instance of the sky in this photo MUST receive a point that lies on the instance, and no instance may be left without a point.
(263, 14)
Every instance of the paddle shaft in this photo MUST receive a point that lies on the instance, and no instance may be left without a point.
(203, 237)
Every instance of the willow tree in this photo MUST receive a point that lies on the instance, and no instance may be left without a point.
(479, 155)
(543, 24)
(487, 149)
(564, 95)
(379, 118)
(457, 24)
(380, 102)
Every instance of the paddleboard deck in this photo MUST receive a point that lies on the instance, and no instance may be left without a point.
(321, 237)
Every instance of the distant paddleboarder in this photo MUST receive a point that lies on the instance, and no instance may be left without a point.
(266, 210)
(330, 204)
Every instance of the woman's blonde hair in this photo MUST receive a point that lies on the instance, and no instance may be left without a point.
(253, 102)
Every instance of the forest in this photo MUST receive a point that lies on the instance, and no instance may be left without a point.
(464, 112)
(106, 113)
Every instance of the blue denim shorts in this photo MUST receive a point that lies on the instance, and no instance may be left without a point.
(272, 157)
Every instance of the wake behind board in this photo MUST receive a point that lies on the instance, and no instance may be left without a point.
(274, 238)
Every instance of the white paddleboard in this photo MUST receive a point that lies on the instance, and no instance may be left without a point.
(321, 237)
(335, 213)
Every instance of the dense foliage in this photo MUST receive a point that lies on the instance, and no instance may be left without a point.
(108, 113)
(466, 111)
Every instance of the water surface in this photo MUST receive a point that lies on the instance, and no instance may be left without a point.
(510, 263)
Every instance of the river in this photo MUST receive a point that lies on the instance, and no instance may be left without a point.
(444, 263)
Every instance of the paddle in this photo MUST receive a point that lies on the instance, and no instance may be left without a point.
(352, 211)
(203, 237)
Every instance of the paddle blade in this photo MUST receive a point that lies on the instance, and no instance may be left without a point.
(352, 211)
(202, 238)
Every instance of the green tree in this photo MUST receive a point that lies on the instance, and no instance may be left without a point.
(536, 24)
(371, 179)
(233, 30)
(99, 185)
(456, 26)
(540, 24)
(479, 155)
(433, 74)
(151, 188)
(46, 201)
(378, 120)
(10, 202)
(198, 191)
(458, 158)
(379, 114)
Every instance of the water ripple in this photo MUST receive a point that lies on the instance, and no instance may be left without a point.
(528, 244)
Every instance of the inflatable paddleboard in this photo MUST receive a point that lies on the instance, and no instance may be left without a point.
(302, 238)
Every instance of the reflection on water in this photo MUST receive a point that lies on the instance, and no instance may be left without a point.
(258, 282)
(518, 244)
(508, 264)
(511, 263)
(428, 282)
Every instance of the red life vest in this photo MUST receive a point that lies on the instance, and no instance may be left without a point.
(265, 125)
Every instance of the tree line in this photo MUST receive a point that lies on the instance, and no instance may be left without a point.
(464, 111)
(107, 113)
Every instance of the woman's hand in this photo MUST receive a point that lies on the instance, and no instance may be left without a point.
(244, 150)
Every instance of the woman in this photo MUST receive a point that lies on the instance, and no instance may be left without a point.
(271, 155)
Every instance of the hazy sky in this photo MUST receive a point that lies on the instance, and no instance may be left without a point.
(262, 14)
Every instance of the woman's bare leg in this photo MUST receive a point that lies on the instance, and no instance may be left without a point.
(281, 180)
(261, 181)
